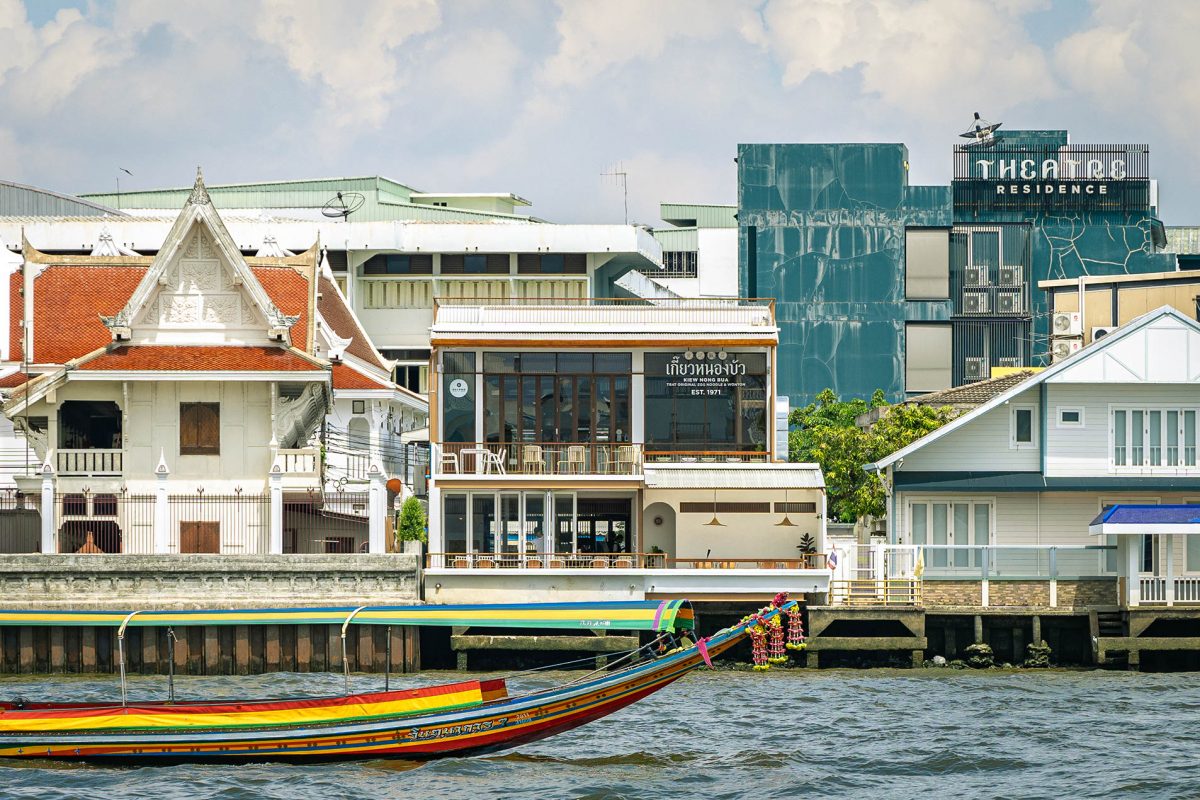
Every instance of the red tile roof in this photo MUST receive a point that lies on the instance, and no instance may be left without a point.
(68, 303)
(345, 377)
(289, 291)
(69, 299)
(339, 316)
(192, 358)
(13, 380)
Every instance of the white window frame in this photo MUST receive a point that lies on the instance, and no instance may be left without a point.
(1146, 467)
(950, 500)
(1013, 444)
(1058, 414)
(1189, 501)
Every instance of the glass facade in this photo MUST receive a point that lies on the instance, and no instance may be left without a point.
(706, 401)
(536, 522)
(557, 397)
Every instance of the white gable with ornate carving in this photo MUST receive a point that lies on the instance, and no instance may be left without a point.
(199, 289)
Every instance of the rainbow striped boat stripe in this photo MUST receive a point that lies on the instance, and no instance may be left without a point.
(667, 615)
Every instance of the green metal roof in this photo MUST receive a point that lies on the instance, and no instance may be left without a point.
(699, 215)
(677, 238)
(19, 200)
(385, 199)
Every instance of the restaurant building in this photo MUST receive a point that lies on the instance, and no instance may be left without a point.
(608, 448)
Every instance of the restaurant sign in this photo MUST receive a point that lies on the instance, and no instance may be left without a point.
(705, 374)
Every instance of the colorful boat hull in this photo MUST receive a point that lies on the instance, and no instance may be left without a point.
(491, 725)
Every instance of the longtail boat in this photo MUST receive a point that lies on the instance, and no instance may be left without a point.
(456, 719)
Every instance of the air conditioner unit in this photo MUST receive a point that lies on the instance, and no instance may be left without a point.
(1012, 276)
(1066, 323)
(1101, 332)
(1009, 362)
(976, 276)
(975, 303)
(1010, 303)
(1064, 348)
(975, 369)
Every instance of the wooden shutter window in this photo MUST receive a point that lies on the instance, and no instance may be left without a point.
(200, 429)
(199, 537)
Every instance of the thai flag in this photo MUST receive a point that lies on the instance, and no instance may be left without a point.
(832, 559)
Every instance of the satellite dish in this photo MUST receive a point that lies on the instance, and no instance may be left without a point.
(981, 132)
(342, 206)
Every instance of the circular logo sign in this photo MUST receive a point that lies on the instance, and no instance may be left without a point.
(458, 387)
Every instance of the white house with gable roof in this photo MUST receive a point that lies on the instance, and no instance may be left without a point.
(998, 505)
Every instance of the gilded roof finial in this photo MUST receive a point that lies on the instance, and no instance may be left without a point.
(199, 194)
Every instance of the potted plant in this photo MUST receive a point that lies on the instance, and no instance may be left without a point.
(412, 527)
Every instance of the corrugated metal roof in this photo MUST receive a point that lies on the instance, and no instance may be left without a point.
(1183, 239)
(17, 199)
(385, 200)
(701, 215)
(677, 238)
(779, 475)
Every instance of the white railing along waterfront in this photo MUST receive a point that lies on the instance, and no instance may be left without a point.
(1011, 561)
(88, 462)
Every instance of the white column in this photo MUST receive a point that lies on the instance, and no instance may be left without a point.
(162, 511)
(377, 510)
(1168, 541)
(1133, 552)
(436, 545)
(48, 543)
(275, 541)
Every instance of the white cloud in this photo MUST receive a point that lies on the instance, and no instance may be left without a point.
(917, 56)
(596, 36)
(353, 51)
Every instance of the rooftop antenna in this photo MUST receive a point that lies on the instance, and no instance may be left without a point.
(982, 133)
(119, 171)
(618, 172)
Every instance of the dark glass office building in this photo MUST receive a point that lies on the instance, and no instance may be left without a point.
(883, 285)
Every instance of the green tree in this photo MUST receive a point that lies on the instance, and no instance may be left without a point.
(825, 432)
(411, 527)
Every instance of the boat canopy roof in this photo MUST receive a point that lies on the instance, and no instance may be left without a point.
(666, 615)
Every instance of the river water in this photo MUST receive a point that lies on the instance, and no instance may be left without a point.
(787, 733)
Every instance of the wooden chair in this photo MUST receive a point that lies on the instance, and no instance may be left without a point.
(624, 562)
(533, 563)
(576, 460)
(462, 562)
(485, 563)
(558, 563)
(599, 563)
(533, 459)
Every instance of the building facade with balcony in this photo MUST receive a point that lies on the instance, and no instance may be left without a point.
(614, 448)
(1006, 505)
(912, 289)
(179, 403)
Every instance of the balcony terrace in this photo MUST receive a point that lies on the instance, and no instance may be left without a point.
(749, 319)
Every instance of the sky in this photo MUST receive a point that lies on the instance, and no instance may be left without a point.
(542, 97)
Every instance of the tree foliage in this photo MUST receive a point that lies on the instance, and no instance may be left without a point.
(412, 525)
(825, 432)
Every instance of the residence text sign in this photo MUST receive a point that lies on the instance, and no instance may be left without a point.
(1070, 178)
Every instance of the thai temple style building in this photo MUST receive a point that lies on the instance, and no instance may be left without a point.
(197, 401)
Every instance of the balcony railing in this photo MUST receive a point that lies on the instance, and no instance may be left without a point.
(304, 461)
(537, 458)
(605, 311)
(88, 462)
(614, 561)
(707, 456)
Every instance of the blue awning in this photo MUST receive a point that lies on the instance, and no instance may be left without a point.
(1146, 519)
